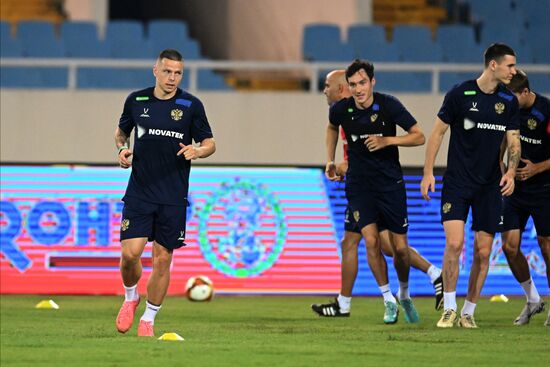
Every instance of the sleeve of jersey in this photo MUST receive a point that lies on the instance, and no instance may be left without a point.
(399, 113)
(200, 128)
(514, 123)
(126, 122)
(332, 115)
(448, 109)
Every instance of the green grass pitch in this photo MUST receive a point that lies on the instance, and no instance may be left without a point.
(263, 331)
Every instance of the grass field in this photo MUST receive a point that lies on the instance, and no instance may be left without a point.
(263, 331)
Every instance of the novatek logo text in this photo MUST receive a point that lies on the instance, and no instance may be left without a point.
(483, 125)
(530, 140)
(172, 134)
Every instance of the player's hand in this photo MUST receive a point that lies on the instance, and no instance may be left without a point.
(375, 143)
(123, 156)
(427, 184)
(342, 168)
(189, 151)
(507, 184)
(330, 172)
(526, 172)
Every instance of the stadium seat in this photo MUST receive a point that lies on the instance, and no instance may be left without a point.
(38, 39)
(539, 39)
(540, 82)
(535, 11)
(458, 44)
(404, 82)
(10, 47)
(35, 77)
(385, 52)
(117, 78)
(5, 30)
(81, 40)
(415, 44)
(366, 37)
(165, 34)
(126, 40)
(209, 80)
(449, 79)
(487, 10)
(317, 37)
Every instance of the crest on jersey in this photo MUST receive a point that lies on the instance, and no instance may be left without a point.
(373, 117)
(176, 114)
(446, 208)
(532, 124)
(356, 215)
(124, 224)
(499, 107)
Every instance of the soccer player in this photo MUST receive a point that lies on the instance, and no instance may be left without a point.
(336, 88)
(531, 196)
(375, 189)
(480, 112)
(166, 120)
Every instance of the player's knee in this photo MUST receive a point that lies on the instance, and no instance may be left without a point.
(128, 257)
(510, 248)
(483, 254)
(401, 251)
(372, 243)
(454, 246)
(162, 262)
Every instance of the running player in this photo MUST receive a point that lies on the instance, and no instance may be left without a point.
(336, 89)
(480, 112)
(531, 196)
(165, 120)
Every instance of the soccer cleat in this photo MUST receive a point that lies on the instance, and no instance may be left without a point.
(448, 319)
(467, 322)
(391, 312)
(547, 323)
(125, 316)
(411, 315)
(145, 328)
(528, 311)
(438, 286)
(329, 309)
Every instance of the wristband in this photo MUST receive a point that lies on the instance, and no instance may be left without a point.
(122, 148)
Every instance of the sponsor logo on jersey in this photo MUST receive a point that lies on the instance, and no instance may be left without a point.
(532, 124)
(176, 114)
(469, 124)
(373, 117)
(124, 224)
(140, 131)
(446, 208)
(145, 113)
(141, 98)
(499, 108)
(470, 92)
(356, 215)
(486, 126)
(530, 140)
(474, 107)
(172, 134)
(182, 236)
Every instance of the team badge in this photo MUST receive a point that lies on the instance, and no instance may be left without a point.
(124, 224)
(176, 114)
(446, 208)
(499, 107)
(373, 117)
(356, 215)
(532, 124)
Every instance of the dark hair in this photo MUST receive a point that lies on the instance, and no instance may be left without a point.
(170, 54)
(357, 65)
(519, 82)
(496, 52)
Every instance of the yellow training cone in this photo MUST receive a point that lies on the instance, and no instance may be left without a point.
(499, 298)
(47, 303)
(171, 337)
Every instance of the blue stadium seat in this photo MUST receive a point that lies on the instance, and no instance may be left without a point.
(488, 10)
(124, 30)
(81, 40)
(415, 44)
(5, 30)
(385, 52)
(366, 37)
(35, 77)
(126, 40)
(449, 79)
(502, 32)
(458, 44)
(317, 37)
(209, 80)
(189, 49)
(540, 82)
(538, 37)
(38, 39)
(114, 78)
(406, 81)
(165, 34)
(535, 11)
(10, 47)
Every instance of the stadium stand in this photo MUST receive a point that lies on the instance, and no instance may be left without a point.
(81, 40)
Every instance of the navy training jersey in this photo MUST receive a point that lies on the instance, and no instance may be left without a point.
(379, 170)
(158, 175)
(535, 143)
(478, 123)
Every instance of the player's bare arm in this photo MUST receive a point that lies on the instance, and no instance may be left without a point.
(432, 148)
(514, 155)
(331, 140)
(501, 153)
(123, 146)
(206, 148)
(414, 137)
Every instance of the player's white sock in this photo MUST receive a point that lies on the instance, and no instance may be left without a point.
(131, 293)
(449, 300)
(433, 272)
(344, 303)
(403, 292)
(530, 290)
(150, 312)
(468, 308)
(386, 293)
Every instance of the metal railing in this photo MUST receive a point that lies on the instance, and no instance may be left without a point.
(309, 69)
